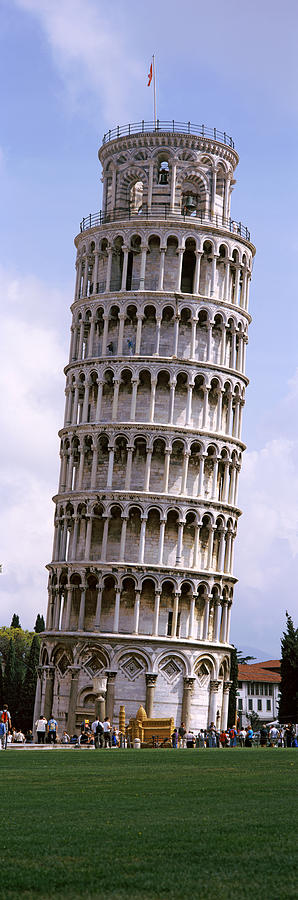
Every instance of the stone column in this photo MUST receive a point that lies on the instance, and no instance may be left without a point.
(139, 333)
(196, 287)
(156, 612)
(216, 623)
(128, 467)
(109, 270)
(142, 538)
(150, 184)
(37, 702)
(115, 399)
(166, 471)
(110, 467)
(188, 416)
(173, 383)
(148, 469)
(179, 543)
(124, 518)
(68, 607)
(110, 695)
(152, 399)
(105, 334)
(135, 382)
(192, 617)
(74, 672)
(116, 611)
(180, 252)
(176, 335)
(150, 689)
(206, 619)
(225, 705)
(105, 537)
(88, 536)
(98, 608)
(161, 268)
(94, 465)
(214, 685)
(120, 334)
(188, 684)
(161, 540)
(82, 609)
(186, 456)
(99, 400)
(124, 269)
(91, 337)
(173, 186)
(143, 268)
(136, 613)
(175, 616)
(49, 677)
(157, 339)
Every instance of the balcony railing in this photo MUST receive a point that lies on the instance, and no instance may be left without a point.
(164, 211)
(170, 127)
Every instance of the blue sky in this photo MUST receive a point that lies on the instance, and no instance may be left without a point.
(70, 69)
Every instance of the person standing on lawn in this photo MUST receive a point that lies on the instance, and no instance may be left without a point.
(107, 732)
(41, 727)
(52, 730)
(5, 718)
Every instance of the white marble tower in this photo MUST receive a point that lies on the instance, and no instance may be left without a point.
(141, 581)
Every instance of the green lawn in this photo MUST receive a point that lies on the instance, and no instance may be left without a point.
(149, 824)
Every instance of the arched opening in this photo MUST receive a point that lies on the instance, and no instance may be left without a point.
(157, 466)
(148, 340)
(188, 267)
(167, 332)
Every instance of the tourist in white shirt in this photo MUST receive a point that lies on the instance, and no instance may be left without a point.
(107, 732)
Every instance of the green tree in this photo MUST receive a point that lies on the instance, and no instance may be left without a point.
(29, 685)
(39, 624)
(288, 704)
(254, 720)
(15, 622)
(233, 689)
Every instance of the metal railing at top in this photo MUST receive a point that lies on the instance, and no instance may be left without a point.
(169, 127)
(164, 211)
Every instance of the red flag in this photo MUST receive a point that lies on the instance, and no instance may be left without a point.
(149, 76)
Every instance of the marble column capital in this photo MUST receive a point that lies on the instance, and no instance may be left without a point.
(151, 679)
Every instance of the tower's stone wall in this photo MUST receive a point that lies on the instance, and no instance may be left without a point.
(141, 580)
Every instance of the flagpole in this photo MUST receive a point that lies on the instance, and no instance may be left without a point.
(154, 90)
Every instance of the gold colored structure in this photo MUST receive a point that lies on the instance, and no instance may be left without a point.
(151, 732)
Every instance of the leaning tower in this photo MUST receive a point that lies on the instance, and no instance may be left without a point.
(141, 580)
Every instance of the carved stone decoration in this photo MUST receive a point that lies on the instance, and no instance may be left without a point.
(132, 667)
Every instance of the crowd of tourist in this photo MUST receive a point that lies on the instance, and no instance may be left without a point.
(101, 735)
(236, 736)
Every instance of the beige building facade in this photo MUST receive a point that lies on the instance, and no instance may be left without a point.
(141, 578)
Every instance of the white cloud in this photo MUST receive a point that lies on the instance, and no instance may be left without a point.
(90, 52)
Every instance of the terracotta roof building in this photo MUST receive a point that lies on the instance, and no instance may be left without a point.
(258, 690)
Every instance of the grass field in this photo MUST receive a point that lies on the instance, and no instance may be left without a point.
(149, 824)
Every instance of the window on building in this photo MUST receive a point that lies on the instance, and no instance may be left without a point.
(178, 624)
(266, 690)
(261, 690)
(250, 704)
(268, 705)
(270, 692)
(257, 690)
(163, 174)
(259, 705)
(240, 685)
(170, 620)
(240, 704)
(252, 690)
